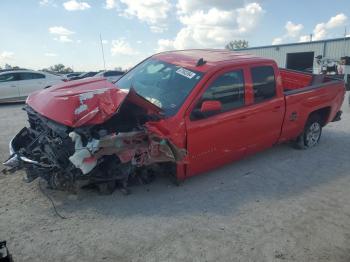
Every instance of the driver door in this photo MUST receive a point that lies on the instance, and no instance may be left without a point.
(218, 138)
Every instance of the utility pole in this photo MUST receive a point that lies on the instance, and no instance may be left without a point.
(103, 54)
(310, 37)
(344, 44)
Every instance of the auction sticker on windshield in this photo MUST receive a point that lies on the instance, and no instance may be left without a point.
(186, 73)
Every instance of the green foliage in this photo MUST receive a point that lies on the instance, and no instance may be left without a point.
(59, 68)
(237, 44)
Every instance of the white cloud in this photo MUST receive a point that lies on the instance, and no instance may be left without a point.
(304, 38)
(74, 5)
(51, 54)
(111, 4)
(277, 41)
(63, 39)
(336, 21)
(164, 45)
(158, 28)
(47, 3)
(121, 47)
(186, 6)
(292, 32)
(44, 2)
(214, 27)
(321, 30)
(152, 12)
(6, 55)
(62, 34)
(248, 17)
(60, 30)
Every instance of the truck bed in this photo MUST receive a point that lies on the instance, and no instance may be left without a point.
(306, 93)
(295, 80)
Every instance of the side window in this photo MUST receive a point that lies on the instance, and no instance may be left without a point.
(37, 76)
(9, 77)
(30, 76)
(228, 89)
(264, 84)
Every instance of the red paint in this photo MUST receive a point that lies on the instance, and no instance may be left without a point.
(216, 140)
(84, 102)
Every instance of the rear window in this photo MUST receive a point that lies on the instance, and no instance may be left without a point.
(264, 84)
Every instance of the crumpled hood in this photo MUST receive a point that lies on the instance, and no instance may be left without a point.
(85, 102)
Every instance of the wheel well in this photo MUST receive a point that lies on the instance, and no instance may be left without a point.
(323, 113)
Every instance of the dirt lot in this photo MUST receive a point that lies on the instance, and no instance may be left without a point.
(280, 205)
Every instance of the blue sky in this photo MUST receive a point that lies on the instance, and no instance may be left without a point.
(39, 33)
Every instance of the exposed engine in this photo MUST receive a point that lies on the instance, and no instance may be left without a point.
(109, 155)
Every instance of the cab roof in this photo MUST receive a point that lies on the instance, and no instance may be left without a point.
(214, 58)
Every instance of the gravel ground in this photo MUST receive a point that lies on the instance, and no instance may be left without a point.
(279, 205)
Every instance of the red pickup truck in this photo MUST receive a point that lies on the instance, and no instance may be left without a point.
(180, 113)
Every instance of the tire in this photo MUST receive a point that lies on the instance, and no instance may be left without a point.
(106, 188)
(311, 134)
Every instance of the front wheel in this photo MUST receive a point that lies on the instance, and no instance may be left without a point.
(311, 134)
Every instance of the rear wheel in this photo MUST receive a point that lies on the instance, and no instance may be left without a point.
(311, 134)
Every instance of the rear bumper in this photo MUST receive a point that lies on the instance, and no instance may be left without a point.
(337, 116)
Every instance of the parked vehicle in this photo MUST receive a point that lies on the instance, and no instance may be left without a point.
(70, 75)
(112, 76)
(180, 113)
(83, 75)
(16, 85)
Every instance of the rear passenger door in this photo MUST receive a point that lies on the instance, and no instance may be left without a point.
(30, 82)
(266, 113)
(9, 86)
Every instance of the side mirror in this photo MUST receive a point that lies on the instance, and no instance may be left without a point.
(211, 106)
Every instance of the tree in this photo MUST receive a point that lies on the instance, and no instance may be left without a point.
(59, 68)
(237, 44)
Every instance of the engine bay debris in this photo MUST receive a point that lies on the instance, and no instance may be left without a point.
(108, 149)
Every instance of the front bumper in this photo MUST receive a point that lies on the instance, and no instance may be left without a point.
(18, 160)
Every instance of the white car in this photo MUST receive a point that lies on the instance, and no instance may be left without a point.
(16, 85)
(112, 76)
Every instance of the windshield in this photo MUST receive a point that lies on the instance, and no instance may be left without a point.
(163, 84)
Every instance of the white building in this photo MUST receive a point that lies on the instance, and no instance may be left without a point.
(302, 56)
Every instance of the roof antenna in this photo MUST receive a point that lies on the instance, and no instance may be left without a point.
(201, 62)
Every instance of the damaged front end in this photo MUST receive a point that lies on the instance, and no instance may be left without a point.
(107, 150)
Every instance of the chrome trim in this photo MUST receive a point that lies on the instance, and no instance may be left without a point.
(12, 151)
(15, 156)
